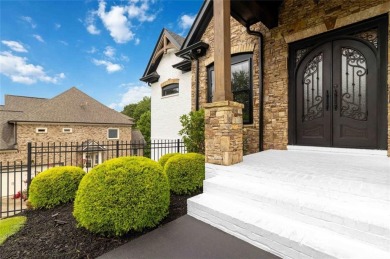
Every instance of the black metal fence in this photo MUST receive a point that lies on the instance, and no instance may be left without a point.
(16, 176)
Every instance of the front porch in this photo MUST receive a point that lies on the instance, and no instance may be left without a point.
(302, 204)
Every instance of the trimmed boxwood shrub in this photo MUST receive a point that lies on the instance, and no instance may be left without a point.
(185, 172)
(122, 194)
(55, 186)
(164, 159)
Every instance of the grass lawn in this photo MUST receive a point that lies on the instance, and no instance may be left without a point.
(10, 226)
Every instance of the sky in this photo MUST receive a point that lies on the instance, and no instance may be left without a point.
(100, 47)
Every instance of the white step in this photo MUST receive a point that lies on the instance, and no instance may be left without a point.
(311, 179)
(282, 236)
(359, 219)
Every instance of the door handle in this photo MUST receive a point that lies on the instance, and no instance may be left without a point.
(327, 100)
(335, 97)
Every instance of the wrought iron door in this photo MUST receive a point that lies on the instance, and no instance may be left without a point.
(337, 96)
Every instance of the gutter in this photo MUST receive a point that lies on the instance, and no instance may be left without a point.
(261, 84)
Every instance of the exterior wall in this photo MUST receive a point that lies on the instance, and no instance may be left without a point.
(167, 110)
(241, 42)
(297, 20)
(26, 133)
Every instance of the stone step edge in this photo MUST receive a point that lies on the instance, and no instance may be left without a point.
(368, 233)
(289, 233)
(252, 178)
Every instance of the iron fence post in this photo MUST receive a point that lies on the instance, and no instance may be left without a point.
(178, 145)
(29, 165)
(117, 148)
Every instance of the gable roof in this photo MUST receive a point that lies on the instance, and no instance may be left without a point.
(71, 106)
(166, 40)
(22, 103)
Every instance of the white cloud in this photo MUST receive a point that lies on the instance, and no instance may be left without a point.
(29, 20)
(57, 26)
(90, 23)
(64, 42)
(118, 19)
(109, 52)
(110, 67)
(19, 71)
(124, 58)
(38, 38)
(92, 29)
(134, 94)
(140, 11)
(116, 22)
(186, 21)
(92, 50)
(137, 41)
(14, 45)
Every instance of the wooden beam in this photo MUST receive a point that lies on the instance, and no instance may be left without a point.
(223, 91)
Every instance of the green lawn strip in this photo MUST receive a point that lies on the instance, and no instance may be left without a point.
(10, 226)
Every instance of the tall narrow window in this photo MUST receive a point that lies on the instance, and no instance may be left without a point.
(241, 74)
(170, 89)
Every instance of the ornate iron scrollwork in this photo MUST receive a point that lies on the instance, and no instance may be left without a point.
(370, 36)
(354, 85)
(299, 54)
(313, 89)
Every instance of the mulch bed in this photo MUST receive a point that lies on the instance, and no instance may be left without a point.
(53, 234)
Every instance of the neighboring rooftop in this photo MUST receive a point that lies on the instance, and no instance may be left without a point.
(71, 106)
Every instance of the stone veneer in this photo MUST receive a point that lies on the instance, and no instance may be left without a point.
(26, 133)
(297, 20)
(223, 132)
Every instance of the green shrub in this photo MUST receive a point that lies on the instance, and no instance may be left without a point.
(55, 186)
(122, 194)
(185, 172)
(164, 159)
(193, 131)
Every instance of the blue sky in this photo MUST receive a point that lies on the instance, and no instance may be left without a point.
(101, 47)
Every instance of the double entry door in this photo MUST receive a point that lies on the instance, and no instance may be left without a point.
(336, 96)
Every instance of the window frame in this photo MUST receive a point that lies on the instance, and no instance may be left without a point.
(38, 130)
(67, 130)
(170, 87)
(235, 59)
(108, 133)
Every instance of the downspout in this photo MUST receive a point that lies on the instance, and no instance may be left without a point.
(261, 84)
(15, 134)
(197, 85)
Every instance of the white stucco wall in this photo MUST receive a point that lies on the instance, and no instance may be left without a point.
(167, 110)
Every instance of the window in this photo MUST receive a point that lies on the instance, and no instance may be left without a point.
(41, 130)
(241, 84)
(170, 89)
(113, 133)
(67, 130)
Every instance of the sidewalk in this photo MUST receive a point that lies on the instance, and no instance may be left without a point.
(187, 238)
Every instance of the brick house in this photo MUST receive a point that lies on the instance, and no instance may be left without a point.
(70, 117)
(307, 83)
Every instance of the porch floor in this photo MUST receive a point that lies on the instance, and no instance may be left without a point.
(299, 204)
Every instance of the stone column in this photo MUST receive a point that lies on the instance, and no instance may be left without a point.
(223, 132)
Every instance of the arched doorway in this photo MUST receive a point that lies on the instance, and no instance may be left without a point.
(338, 87)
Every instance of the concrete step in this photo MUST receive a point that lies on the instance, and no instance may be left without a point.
(367, 221)
(280, 235)
(329, 184)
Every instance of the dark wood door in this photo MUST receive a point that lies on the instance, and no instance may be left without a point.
(336, 96)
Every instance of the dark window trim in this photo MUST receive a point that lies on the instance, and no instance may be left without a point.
(235, 59)
(169, 87)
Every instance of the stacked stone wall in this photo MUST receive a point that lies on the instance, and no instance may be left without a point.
(297, 20)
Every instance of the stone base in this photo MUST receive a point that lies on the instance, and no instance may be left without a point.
(223, 132)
